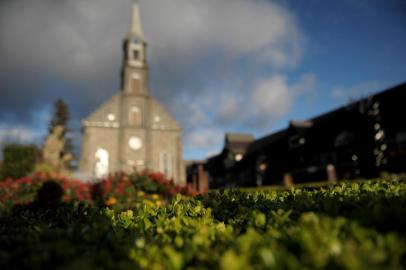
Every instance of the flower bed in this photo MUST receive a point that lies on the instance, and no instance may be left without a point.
(118, 188)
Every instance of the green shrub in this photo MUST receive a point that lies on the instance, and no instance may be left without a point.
(335, 227)
(18, 160)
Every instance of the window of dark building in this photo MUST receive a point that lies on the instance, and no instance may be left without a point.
(296, 141)
(344, 138)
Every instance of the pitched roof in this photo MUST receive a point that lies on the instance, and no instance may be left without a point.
(238, 142)
(109, 106)
(239, 137)
(261, 143)
(300, 124)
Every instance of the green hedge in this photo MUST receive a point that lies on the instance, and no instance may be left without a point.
(347, 226)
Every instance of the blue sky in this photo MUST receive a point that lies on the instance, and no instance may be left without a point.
(217, 66)
(353, 46)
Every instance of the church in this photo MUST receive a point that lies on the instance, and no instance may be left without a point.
(132, 131)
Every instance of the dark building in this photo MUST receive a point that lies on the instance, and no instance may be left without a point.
(360, 140)
(219, 168)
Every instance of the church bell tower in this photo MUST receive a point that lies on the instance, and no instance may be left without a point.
(134, 72)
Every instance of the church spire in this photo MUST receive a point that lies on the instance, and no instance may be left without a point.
(134, 71)
(136, 29)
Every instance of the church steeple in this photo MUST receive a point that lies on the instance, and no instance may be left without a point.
(134, 71)
(136, 29)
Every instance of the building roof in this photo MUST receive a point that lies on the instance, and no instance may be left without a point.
(300, 124)
(395, 90)
(238, 142)
(260, 143)
(239, 137)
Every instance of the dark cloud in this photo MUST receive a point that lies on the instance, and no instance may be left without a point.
(202, 54)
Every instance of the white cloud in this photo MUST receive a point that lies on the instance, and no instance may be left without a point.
(185, 29)
(234, 107)
(16, 134)
(272, 98)
(206, 139)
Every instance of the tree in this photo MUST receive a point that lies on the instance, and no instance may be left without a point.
(60, 117)
(19, 160)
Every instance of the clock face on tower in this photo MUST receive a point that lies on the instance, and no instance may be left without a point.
(135, 143)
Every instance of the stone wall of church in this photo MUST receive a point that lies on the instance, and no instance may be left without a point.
(130, 158)
(167, 154)
(95, 138)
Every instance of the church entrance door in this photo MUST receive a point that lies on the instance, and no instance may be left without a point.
(101, 168)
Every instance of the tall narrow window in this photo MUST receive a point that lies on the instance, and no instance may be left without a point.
(135, 117)
(136, 55)
(166, 164)
(135, 85)
(165, 160)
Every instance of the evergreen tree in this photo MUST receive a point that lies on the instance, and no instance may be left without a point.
(60, 117)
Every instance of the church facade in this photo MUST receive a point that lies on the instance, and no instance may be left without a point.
(132, 131)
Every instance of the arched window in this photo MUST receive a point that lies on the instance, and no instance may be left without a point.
(101, 166)
(134, 118)
(136, 55)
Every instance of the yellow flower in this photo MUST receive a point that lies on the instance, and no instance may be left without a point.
(158, 203)
(155, 196)
(149, 203)
(129, 213)
(140, 193)
(111, 201)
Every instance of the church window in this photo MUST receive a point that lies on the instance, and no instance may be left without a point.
(101, 166)
(296, 141)
(135, 143)
(111, 117)
(136, 54)
(165, 164)
(134, 117)
(343, 139)
(135, 85)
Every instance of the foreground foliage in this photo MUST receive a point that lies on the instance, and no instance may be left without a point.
(347, 226)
